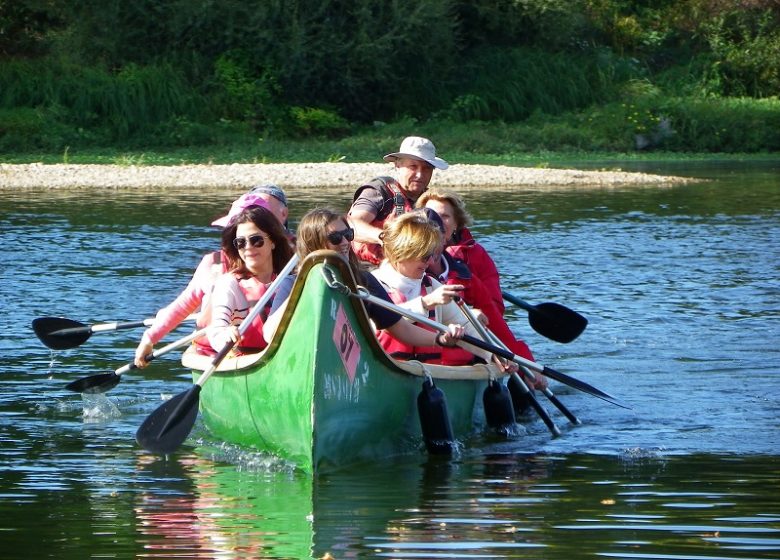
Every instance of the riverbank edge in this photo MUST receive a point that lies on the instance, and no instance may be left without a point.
(297, 175)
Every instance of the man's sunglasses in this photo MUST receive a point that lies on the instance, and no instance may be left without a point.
(335, 236)
(255, 240)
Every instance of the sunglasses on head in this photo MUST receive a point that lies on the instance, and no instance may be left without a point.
(335, 236)
(255, 240)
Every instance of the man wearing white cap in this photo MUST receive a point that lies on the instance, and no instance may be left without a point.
(385, 198)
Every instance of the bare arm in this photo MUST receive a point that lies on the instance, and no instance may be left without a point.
(360, 220)
(409, 333)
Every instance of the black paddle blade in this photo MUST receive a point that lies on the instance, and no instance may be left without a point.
(166, 428)
(582, 386)
(94, 384)
(557, 322)
(59, 333)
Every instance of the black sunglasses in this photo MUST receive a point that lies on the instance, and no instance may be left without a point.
(255, 240)
(335, 236)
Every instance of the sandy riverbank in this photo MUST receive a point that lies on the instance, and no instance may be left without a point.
(342, 175)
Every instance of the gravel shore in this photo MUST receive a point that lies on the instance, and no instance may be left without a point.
(341, 175)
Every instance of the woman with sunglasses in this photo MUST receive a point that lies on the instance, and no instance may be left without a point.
(410, 243)
(197, 293)
(323, 228)
(256, 247)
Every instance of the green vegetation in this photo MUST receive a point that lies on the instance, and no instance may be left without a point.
(162, 81)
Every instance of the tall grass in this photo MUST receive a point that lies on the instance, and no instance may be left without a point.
(109, 106)
(512, 84)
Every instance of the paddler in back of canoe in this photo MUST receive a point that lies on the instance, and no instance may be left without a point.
(323, 228)
(384, 199)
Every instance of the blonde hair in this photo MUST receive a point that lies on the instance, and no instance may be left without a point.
(410, 236)
(459, 212)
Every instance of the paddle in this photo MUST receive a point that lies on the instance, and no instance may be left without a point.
(544, 370)
(168, 426)
(486, 336)
(102, 382)
(60, 333)
(546, 391)
(552, 320)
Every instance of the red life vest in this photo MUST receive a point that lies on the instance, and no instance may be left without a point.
(396, 204)
(455, 356)
(401, 350)
(252, 339)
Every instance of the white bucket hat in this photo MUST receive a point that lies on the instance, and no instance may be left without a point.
(416, 147)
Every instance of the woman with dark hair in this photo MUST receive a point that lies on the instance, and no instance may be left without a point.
(256, 248)
(323, 228)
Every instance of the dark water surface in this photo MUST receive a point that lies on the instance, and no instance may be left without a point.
(682, 289)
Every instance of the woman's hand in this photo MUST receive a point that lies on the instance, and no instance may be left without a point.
(144, 348)
(481, 317)
(541, 382)
(442, 295)
(454, 333)
(235, 336)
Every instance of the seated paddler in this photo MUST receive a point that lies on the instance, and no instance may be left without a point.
(410, 242)
(256, 246)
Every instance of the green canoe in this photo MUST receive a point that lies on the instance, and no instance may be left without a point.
(324, 393)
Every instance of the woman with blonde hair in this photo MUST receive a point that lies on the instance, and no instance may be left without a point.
(410, 243)
(459, 242)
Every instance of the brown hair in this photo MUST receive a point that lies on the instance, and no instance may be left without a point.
(410, 236)
(312, 234)
(267, 222)
(459, 212)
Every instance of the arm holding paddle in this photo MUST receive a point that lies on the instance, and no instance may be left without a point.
(491, 348)
(193, 297)
(168, 426)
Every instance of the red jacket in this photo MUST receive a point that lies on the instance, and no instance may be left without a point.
(477, 296)
(479, 262)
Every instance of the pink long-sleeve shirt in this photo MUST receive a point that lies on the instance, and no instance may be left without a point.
(195, 295)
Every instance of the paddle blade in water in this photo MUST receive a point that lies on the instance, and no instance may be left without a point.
(60, 333)
(165, 429)
(94, 384)
(556, 322)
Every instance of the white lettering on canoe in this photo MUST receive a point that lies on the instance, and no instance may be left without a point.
(338, 387)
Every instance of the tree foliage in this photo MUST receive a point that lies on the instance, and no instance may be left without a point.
(304, 66)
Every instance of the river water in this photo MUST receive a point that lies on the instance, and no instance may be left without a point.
(681, 286)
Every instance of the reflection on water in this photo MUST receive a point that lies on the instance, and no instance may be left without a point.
(680, 286)
(507, 506)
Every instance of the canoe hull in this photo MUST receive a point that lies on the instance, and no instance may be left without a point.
(324, 393)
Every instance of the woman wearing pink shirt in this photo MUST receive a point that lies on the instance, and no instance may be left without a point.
(196, 294)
